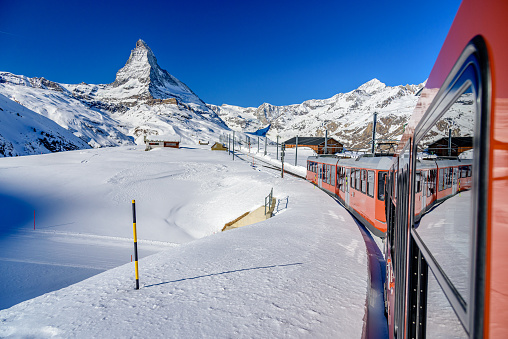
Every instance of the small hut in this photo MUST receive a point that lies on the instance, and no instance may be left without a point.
(450, 146)
(171, 142)
(219, 147)
(317, 144)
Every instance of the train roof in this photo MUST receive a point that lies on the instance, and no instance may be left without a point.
(383, 162)
(380, 163)
(324, 159)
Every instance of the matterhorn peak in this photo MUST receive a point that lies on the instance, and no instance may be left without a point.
(138, 66)
(143, 78)
(140, 43)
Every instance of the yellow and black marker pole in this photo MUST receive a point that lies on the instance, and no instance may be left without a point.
(135, 242)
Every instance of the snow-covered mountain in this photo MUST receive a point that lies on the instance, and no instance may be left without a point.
(24, 132)
(143, 100)
(347, 116)
(147, 100)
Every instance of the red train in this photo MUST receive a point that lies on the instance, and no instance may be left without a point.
(359, 183)
(445, 219)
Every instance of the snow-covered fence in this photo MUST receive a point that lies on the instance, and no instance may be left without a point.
(280, 203)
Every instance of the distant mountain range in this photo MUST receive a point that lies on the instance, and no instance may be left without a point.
(348, 116)
(147, 100)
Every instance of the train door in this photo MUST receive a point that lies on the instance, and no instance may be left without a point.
(348, 180)
(379, 199)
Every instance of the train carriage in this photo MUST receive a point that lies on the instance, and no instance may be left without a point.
(357, 182)
(446, 270)
(361, 189)
(446, 219)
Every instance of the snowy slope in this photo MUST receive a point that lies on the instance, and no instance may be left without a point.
(298, 274)
(93, 126)
(24, 132)
(347, 116)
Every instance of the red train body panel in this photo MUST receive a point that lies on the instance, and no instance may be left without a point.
(446, 250)
(444, 219)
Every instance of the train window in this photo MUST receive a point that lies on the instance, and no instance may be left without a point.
(431, 183)
(446, 230)
(418, 182)
(332, 176)
(353, 177)
(358, 183)
(441, 179)
(442, 322)
(381, 178)
(370, 183)
(344, 179)
(364, 181)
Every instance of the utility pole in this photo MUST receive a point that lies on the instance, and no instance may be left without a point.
(282, 153)
(296, 151)
(266, 140)
(277, 147)
(233, 145)
(374, 133)
(326, 141)
(258, 144)
(449, 142)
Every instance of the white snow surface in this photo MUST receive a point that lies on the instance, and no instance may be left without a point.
(302, 273)
(24, 132)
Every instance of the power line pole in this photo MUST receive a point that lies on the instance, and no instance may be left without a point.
(296, 151)
(374, 132)
(277, 147)
(326, 140)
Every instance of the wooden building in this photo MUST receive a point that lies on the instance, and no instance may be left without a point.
(317, 144)
(458, 145)
(219, 147)
(151, 144)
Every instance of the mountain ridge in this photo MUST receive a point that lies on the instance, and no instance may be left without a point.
(346, 116)
(147, 100)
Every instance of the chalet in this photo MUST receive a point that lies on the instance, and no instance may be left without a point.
(167, 142)
(219, 147)
(317, 144)
(458, 145)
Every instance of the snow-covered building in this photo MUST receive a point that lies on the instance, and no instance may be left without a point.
(317, 144)
(166, 142)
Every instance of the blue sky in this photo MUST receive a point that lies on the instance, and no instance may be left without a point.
(237, 52)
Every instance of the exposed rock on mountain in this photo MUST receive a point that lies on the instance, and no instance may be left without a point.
(347, 116)
(145, 99)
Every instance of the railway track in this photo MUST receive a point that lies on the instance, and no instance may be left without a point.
(376, 324)
(267, 164)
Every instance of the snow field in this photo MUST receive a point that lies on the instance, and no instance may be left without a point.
(302, 273)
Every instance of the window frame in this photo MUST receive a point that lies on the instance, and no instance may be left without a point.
(471, 70)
